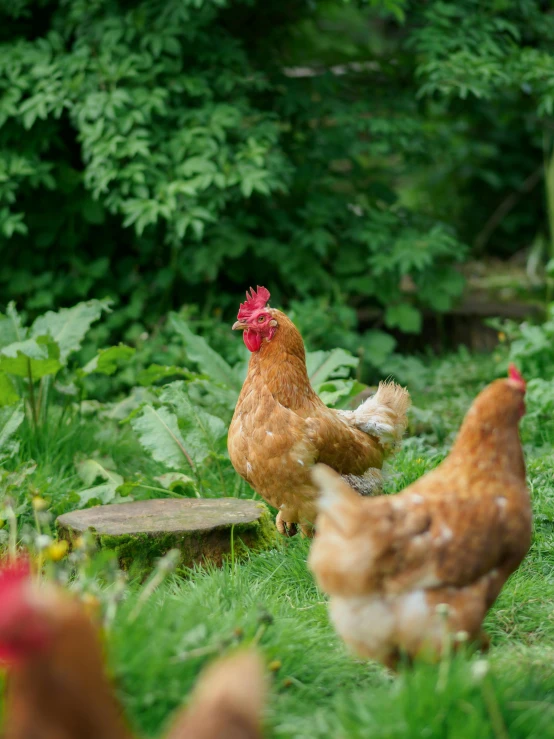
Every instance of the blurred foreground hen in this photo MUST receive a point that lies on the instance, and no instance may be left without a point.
(281, 428)
(227, 703)
(57, 687)
(453, 537)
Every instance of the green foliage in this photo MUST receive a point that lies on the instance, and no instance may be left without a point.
(91, 471)
(200, 352)
(41, 351)
(11, 418)
(347, 152)
(108, 360)
(158, 431)
(69, 326)
(348, 155)
(531, 346)
(328, 373)
(33, 358)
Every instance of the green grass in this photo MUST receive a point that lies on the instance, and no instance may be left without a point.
(318, 689)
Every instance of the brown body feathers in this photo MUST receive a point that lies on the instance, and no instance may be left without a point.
(281, 428)
(452, 537)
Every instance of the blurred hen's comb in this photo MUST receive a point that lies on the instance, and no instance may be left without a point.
(515, 375)
(254, 301)
(13, 575)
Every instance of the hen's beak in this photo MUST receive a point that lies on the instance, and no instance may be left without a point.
(238, 326)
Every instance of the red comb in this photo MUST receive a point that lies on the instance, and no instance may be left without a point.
(13, 575)
(515, 375)
(254, 301)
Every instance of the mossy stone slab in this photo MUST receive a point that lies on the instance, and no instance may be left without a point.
(200, 528)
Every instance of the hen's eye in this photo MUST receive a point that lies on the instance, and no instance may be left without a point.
(261, 319)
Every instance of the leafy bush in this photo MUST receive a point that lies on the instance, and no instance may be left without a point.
(170, 151)
(31, 358)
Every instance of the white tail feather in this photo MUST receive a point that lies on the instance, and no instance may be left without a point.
(383, 415)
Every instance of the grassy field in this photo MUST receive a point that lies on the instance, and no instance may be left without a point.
(318, 688)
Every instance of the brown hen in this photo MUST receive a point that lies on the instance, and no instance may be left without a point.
(227, 703)
(281, 428)
(452, 537)
(57, 686)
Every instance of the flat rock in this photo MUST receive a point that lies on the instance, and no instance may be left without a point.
(201, 528)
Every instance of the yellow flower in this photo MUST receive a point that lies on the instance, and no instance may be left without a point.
(275, 665)
(501, 336)
(57, 550)
(39, 504)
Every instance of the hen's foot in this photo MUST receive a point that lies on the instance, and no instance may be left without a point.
(307, 530)
(285, 528)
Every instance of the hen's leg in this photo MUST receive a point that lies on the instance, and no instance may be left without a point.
(287, 529)
(307, 530)
(394, 659)
(484, 641)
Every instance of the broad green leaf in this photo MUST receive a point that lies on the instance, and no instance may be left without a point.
(108, 360)
(219, 400)
(69, 389)
(174, 480)
(158, 432)
(127, 488)
(11, 418)
(201, 431)
(12, 481)
(11, 328)
(122, 410)
(31, 348)
(333, 391)
(90, 471)
(323, 365)
(8, 393)
(99, 494)
(39, 355)
(156, 372)
(209, 361)
(69, 326)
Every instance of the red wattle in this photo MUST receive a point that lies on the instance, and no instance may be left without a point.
(252, 339)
